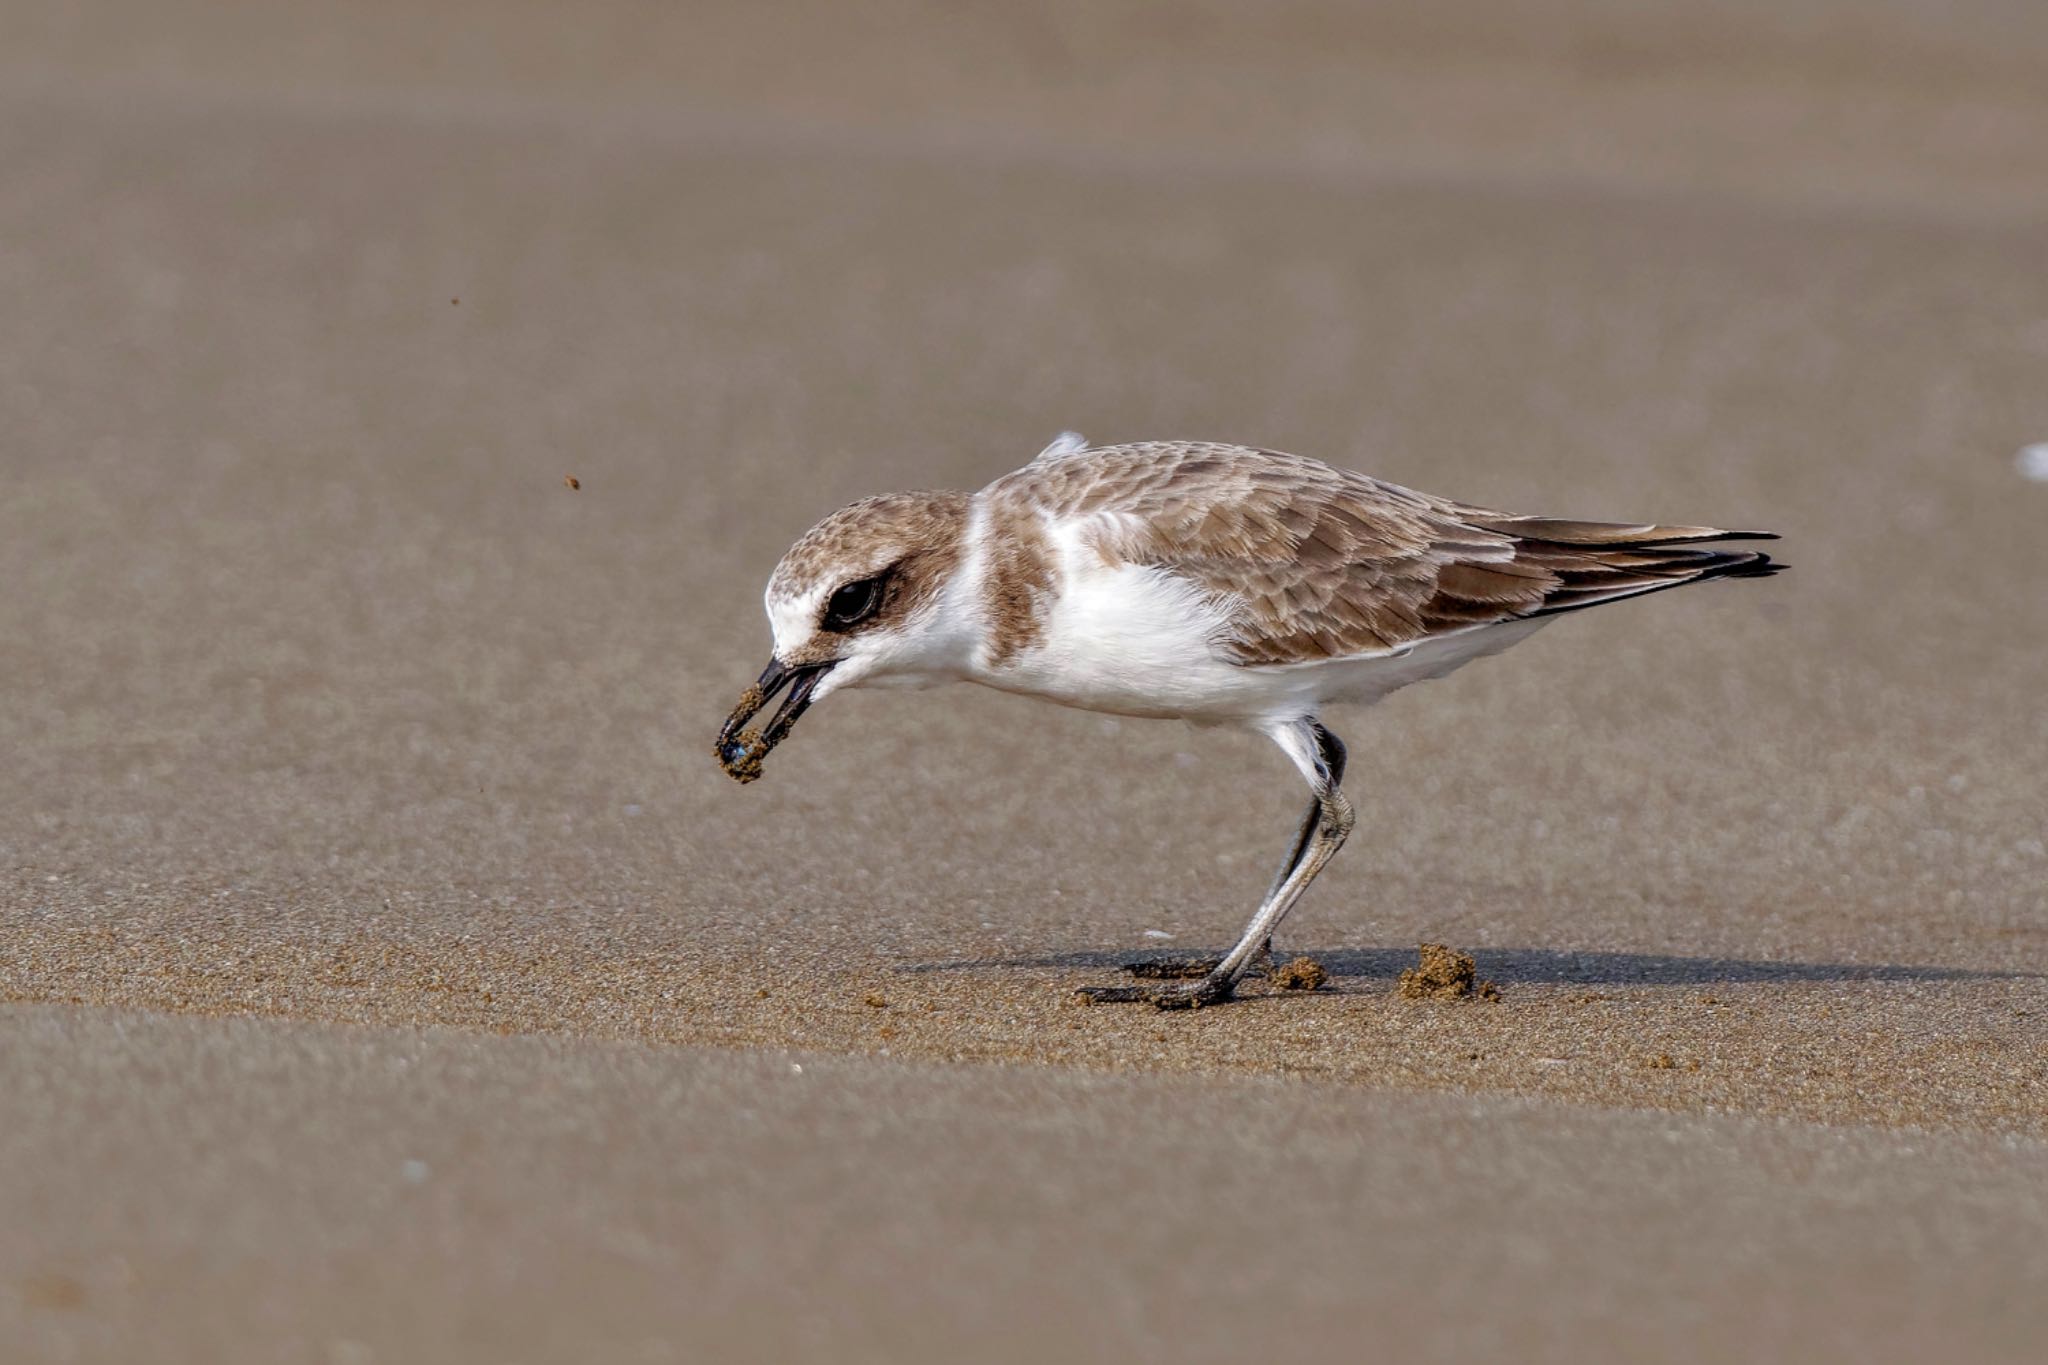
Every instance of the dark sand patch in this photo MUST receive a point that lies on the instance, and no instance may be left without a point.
(1942, 1051)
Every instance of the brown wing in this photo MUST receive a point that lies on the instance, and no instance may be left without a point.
(1321, 563)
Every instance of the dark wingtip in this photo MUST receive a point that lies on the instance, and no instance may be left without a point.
(1707, 536)
(1757, 566)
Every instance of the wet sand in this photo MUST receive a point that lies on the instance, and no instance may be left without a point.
(327, 701)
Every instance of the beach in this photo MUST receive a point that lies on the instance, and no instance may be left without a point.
(404, 411)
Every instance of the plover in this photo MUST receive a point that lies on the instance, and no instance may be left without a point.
(1212, 583)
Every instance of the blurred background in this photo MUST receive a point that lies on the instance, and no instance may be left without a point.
(312, 310)
(325, 697)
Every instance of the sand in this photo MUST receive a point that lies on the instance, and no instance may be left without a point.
(322, 1194)
(326, 704)
(1442, 973)
(1300, 974)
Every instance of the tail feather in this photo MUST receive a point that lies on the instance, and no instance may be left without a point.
(1614, 535)
(1588, 577)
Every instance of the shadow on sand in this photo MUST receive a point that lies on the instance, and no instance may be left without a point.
(1530, 966)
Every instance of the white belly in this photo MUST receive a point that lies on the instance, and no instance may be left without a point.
(1130, 640)
(1140, 642)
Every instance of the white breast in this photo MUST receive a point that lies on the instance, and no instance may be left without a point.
(1127, 639)
(1139, 641)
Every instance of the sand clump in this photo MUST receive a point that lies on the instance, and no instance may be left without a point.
(743, 755)
(1302, 974)
(751, 700)
(1442, 973)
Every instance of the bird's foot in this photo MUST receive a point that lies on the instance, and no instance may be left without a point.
(1210, 990)
(1188, 968)
(1173, 968)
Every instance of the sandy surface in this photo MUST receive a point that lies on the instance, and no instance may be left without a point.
(328, 1195)
(1868, 102)
(323, 697)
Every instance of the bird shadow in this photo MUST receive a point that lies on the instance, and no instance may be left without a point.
(1529, 966)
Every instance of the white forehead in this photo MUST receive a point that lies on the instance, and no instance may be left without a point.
(793, 617)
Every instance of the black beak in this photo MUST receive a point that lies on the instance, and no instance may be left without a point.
(742, 752)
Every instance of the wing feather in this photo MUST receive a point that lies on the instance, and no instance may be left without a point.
(1317, 563)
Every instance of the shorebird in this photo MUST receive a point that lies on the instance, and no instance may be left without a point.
(1212, 583)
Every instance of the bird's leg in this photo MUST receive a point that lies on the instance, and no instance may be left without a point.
(1320, 756)
(1186, 967)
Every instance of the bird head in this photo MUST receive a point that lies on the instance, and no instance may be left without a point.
(860, 599)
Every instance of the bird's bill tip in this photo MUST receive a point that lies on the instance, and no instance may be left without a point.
(742, 752)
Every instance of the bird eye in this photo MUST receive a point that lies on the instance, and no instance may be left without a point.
(853, 603)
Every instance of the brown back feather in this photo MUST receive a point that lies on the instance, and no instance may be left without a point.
(1322, 563)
